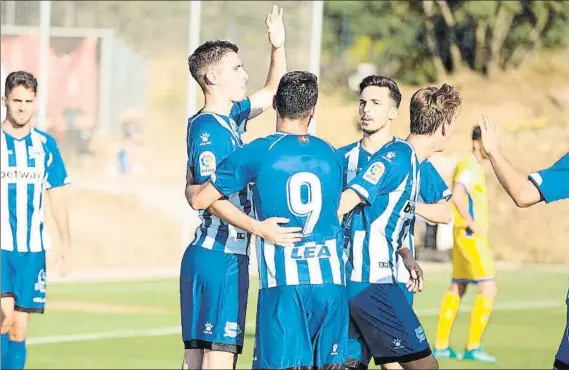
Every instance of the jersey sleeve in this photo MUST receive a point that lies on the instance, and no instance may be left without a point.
(433, 188)
(240, 113)
(56, 171)
(239, 169)
(208, 144)
(553, 182)
(380, 176)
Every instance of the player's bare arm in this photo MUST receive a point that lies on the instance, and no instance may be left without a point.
(350, 199)
(522, 191)
(459, 199)
(59, 202)
(263, 99)
(438, 213)
(206, 195)
(415, 283)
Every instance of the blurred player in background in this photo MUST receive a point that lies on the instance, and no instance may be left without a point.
(549, 185)
(214, 278)
(31, 166)
(302, 314)
(388, 187)
(471, 257)
(378, 106)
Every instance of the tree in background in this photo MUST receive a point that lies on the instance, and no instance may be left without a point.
(422, 41)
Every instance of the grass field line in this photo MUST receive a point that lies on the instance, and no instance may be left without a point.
(500, 306)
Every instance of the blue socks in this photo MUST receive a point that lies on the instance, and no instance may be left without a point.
(5, 350)
(13, 353)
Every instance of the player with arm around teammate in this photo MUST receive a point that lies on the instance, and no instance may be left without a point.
(388, 187)
(302, 314)
(31, 167)
(549, 185)
(378, 106)
(214, 277)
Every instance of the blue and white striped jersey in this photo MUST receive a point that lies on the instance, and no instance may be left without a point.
(389, 184)
(298, 177)
(553, 182)
(29, 166)
(212, 138)
(432, 190)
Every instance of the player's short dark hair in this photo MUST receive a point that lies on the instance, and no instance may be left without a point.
(382, 81)
(297, 94)
(431, 106)
(476, 133)
(207, 54)
(20, 78)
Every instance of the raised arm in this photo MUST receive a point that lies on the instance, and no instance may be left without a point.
(518, 186)
(263, 99)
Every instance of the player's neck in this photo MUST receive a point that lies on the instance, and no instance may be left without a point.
(15, 130)
(372, 143)
(423, 145)
(295, 127)
(217, 104)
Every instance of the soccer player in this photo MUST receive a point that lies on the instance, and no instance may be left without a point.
(378, 106)
(214, 276)
(302, 314)
(388, 187)
(471, 257)
(31, 167)
(549, 185)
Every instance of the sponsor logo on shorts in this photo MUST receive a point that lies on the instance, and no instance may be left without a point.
(38, 300)
(383, 265)
(208, 328)
(232, 329)
(420, 334)
(397, 344)
(39, 286)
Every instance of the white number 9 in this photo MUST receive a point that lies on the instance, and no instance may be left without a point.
(312, 207)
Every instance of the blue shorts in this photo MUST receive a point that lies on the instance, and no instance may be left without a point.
(388, 325)
(23, 277)
(213, 299)
(562, 357)
(408, 295)
(303, 325)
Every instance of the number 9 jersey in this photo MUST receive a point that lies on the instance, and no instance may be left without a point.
(298, 177)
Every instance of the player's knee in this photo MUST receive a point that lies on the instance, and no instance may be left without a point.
(458, 289)
(429, 362)
(488, 288)
(218, 360)
(7, 320)
(19, 328)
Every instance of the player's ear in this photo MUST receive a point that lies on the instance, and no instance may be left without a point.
(210, 78)
(393, 113)
(4, 101)
(274, 102)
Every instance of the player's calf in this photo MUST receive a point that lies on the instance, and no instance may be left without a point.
(218, 360)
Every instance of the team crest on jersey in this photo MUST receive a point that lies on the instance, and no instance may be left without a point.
(374, 173)
(207, 163)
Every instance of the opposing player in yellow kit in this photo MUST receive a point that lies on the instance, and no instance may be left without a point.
(471, 256)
